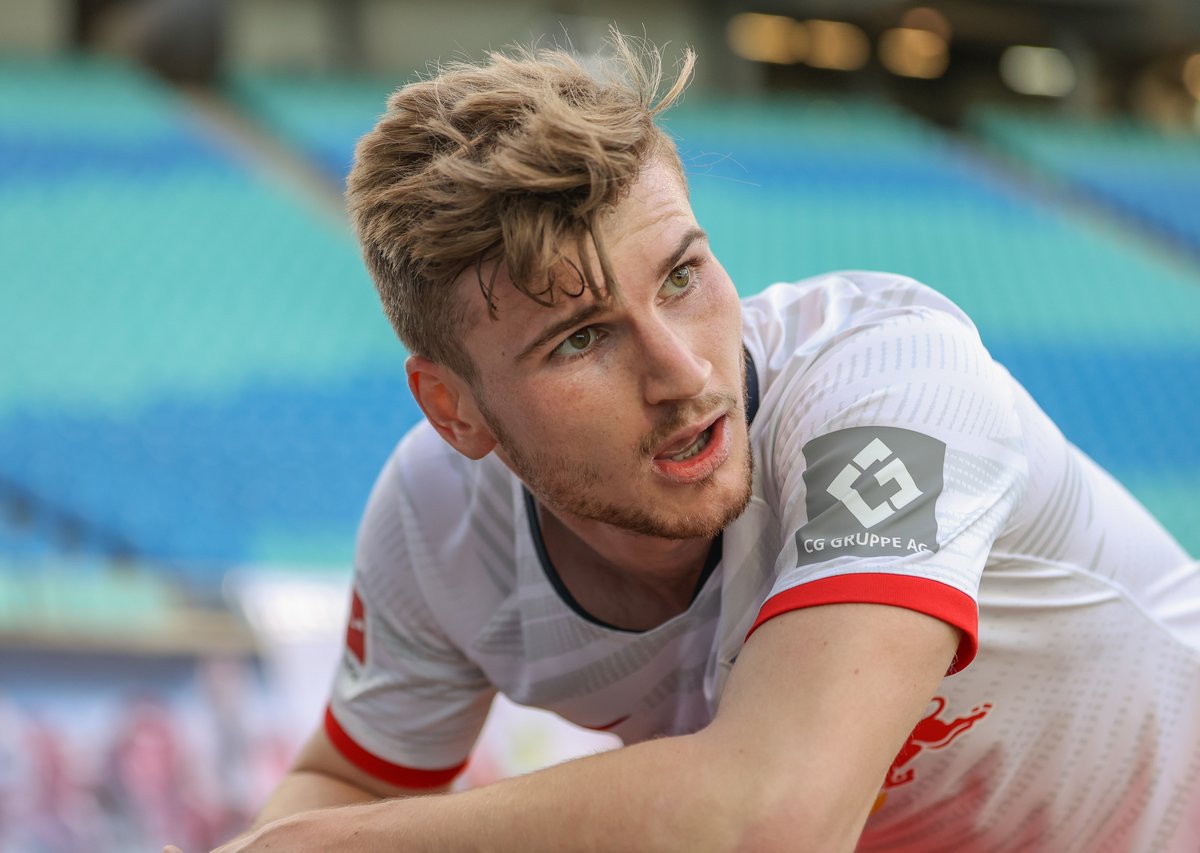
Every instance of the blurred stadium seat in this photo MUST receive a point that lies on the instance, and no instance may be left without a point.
(322, 116)
(1149, 175)
(200, 369)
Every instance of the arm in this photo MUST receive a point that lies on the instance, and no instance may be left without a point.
(321, 777)
(815, 710)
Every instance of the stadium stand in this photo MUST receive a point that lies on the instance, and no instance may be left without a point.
(197, 370)
(1149, 176)
(322, 116)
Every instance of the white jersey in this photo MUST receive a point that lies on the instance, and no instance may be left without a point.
(895, 463)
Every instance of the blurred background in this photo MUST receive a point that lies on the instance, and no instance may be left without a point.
(197, 386)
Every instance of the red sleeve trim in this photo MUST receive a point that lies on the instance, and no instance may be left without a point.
(933, 598)
(393, 774)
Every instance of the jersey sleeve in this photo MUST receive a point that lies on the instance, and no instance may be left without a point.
(898, 454)
(406, 705)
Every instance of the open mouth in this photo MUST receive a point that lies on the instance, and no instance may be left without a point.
(701, 441)
(696, 460)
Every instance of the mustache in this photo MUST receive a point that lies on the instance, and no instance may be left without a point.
(684, 414)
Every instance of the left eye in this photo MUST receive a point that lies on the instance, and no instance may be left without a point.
(678, 279)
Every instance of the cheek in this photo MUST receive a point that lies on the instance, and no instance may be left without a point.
(595, 411)
(561, 413)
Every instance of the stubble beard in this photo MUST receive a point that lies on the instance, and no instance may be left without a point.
(565, 486)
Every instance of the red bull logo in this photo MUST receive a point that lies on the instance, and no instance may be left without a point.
(930, 733)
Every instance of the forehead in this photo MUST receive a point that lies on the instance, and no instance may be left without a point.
(659, 193)
(638, 233)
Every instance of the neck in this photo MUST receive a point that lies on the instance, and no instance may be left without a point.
(626, 579)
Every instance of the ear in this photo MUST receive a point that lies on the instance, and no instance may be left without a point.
(449, 405)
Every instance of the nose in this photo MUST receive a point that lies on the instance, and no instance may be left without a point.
(672, 368)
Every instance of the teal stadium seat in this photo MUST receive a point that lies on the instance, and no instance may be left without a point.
(196, 367)
(1150, 176)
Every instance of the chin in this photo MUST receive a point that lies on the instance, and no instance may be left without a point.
(716, 504)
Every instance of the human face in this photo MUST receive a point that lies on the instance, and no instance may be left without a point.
(627, 411)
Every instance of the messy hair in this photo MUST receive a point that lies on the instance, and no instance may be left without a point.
(509, 164)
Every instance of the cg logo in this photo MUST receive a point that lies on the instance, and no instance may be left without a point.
(843, 489)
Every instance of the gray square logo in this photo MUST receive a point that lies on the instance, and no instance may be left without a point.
(871, 491)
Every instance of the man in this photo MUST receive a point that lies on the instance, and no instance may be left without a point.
(821, 563)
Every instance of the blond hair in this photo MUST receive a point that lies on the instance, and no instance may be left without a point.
(514, 161)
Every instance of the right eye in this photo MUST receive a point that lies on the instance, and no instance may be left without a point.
(579, 341)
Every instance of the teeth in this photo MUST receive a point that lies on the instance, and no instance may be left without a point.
(695, 447)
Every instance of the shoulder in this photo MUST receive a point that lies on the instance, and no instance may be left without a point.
(433, 516)
(849, 351)
(428, 479)
(795, 319)
(848, 334)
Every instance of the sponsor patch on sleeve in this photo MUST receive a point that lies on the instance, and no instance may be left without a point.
(871, 491)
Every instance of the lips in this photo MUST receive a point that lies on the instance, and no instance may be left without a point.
(681, 439)
(694, 455)
(693, 447)
(684, 439)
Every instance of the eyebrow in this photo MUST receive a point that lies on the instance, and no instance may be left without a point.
(587, 312)
(564, 325)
